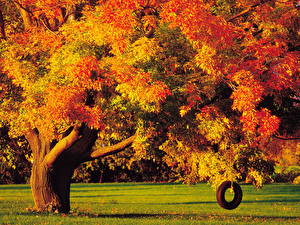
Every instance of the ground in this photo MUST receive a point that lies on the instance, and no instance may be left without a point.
(139, 203)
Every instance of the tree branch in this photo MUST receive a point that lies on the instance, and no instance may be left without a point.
(61, 146)
(21, 6)
(47, 26)
(26, 15)
(250, 8)
(32, 137)
(2, 25)
(113, 149)
(286, 138)
(294, 100)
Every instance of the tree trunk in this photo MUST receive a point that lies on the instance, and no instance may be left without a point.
(51, 187)
(50, 183)
(26, 14)
(53, 168)
(2, 25)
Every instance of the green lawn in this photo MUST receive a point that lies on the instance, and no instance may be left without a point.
(138, 203)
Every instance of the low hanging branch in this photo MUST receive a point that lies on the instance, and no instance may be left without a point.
(61, 146)
(2, 26)
(286, 138)
(47, 26)
(113, 149)
(244, 12)
(26, 14)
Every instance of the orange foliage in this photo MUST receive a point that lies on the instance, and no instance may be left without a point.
(67, 105)
(138, 85)
(136, 53)
(49, 8)
(282, 72)
(198, 24)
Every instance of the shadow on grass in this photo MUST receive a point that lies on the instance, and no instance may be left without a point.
(96, 196)
(125, 194)
(171, 216)
(124, 216)
(111, 189)
(19, 187)
(120, 185)
(187, 203)
(132, 188)
(187, 216)
(95, 215)
(272, 201)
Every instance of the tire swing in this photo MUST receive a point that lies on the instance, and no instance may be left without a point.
(238, 195)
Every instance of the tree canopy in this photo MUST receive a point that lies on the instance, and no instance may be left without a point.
(207, 82)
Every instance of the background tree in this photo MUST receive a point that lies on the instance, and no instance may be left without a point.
(15, 158)
(203, 82)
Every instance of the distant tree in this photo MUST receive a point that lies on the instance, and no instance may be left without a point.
(15, 156)
(205, 82)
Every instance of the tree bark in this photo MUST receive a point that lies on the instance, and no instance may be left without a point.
(26, 15)
(45, 199)
(250, 8)
(114, 149)
(42, 186)
(2, 25)
(53, 168)
(50, 183)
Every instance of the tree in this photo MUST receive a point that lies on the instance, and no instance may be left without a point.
(15, 158)
(203, 82)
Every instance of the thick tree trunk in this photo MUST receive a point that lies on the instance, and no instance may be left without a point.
(51, 187)
(48, 194)
(44, 196)
(53, 168)
(26, 15)
(2, 25)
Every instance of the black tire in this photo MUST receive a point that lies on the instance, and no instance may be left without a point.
(238, 195)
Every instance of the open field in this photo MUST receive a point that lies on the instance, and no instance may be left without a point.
(139, 203)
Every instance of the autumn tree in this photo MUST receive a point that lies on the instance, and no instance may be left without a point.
(203, 82)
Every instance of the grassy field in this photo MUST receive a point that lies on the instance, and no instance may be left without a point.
(138, 203)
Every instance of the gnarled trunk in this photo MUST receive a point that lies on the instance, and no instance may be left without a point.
(53, 168)
(51, 187)
(2, 25)
(42, 186)
(26, 15)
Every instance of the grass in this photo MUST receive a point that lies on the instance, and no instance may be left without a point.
(144, 203)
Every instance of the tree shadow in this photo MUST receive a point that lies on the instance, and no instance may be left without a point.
(187, 203)
(95, 196)
(119, 186)
(272, 201)
(122, 216)
(220, 217)
(98, 215)
(112, 189)
(118, 195)
(176, 215)
(7, 187)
